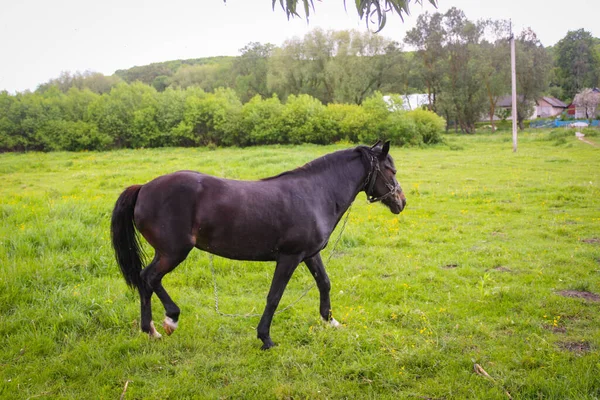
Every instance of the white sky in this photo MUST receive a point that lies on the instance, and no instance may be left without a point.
(41, 38)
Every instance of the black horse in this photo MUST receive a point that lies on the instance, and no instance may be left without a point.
(287, 218)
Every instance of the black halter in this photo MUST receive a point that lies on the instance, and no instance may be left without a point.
(393, 188)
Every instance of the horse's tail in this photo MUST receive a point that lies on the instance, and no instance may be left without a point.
(125, 239)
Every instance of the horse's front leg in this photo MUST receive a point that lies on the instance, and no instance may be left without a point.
(283, 272)
(317, 269)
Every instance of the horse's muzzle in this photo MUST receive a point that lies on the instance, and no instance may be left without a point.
(398, 203)
(402, 200)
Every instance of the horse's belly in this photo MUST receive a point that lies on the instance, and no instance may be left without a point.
(251, 246)
(257, 230)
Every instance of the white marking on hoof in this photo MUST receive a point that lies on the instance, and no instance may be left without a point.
(169, 325)
(153, 332)
(334, 323)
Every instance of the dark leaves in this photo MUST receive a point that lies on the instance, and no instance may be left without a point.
(373, 11)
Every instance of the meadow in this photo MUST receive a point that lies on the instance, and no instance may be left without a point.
(485, 287)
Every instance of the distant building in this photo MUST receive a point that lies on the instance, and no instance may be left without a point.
(549, 107)
(578, 112)
(414, 101)
(545, 107)
(409, 101)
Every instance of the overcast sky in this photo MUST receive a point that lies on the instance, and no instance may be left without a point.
(41, 38)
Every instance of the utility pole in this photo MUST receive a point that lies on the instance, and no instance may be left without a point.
(513, 70)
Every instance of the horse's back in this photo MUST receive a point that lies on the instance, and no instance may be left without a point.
(235, 219)
(251, 220)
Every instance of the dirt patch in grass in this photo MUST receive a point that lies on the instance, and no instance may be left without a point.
(576, 347)
(555, 329)
(450, 266)
(588, 296)
(501, 268)
(591, 241)
(500, 235)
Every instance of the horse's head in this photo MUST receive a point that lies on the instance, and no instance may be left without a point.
(381, 184)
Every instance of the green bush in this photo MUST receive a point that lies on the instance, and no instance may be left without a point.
(387, 120)
(72, 136)
(344, 122)
(214, 118)
(10, 124)
(300, 120)
(401, 130)
(428, 124)
(115, 114)
(137, 115)
(377, 112)
(591, 131)
(260, 121)
(183, 136)
(170, 111)
(561, 133)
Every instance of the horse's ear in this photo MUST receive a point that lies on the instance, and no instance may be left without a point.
(376, 145)
(385, 150)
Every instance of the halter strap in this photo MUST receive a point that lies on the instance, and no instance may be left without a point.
(372, 178)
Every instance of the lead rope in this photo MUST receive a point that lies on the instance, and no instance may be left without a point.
(248, 315)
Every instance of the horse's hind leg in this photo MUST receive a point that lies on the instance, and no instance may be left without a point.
(171, 310)
(317, 269)
(145, 290)
(152, 278)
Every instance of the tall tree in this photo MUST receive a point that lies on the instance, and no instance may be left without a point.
(493, 55)
(427, 37)
(319, 49)
(363, 63)
(577, 62)
(409, 80)
(344, 66)
(533, 69)
(290, 70)
(465, 89)
(250, 70)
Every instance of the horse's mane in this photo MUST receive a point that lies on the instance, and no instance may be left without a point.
(325, 162)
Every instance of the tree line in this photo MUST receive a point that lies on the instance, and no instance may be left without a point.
(463, 66)
(137, 115)
(348, 66)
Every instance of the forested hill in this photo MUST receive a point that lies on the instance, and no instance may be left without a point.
(461, 65)
(155, 73)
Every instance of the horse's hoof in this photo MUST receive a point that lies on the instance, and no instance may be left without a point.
(267, 344)
(333, 323)
(169, 325)
(153, 332)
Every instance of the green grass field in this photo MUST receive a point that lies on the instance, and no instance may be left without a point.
(474, 271)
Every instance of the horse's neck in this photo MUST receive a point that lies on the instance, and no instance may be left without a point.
(342, 184)
(335, 181)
